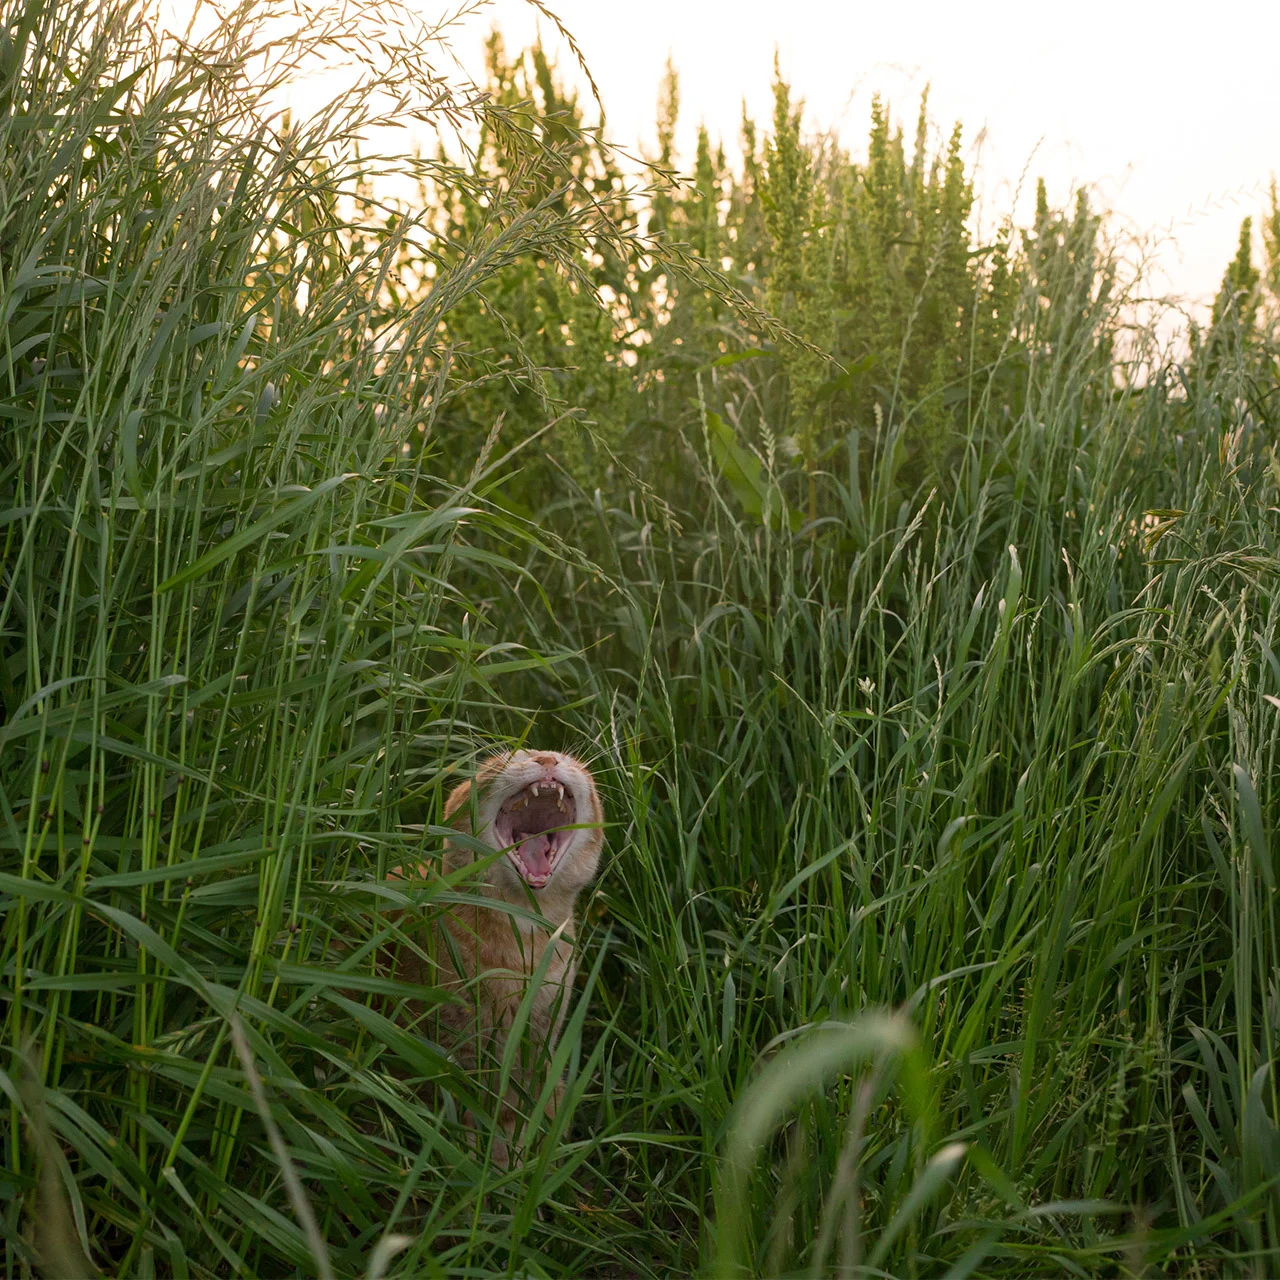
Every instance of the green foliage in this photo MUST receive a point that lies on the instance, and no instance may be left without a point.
(925, 654)
(894, 323)
(237, 650)
(1238, 355)
(1229, 344)
(1239, 292)
(537, 334)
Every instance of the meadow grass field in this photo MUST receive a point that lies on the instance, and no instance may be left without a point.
(915, 607)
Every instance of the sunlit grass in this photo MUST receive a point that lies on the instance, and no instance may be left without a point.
(936, 933)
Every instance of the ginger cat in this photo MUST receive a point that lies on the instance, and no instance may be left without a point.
(542, 809)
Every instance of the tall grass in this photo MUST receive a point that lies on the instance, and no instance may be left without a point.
(1009, 768)
(937, 934)
(234, 649)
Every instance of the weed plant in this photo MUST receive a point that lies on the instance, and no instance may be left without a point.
(937, 934)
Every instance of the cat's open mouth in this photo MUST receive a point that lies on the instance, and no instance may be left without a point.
(528, 828)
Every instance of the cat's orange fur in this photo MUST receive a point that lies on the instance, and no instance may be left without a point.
(487, 958)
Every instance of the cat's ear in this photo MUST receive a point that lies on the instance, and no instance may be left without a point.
(457, 800)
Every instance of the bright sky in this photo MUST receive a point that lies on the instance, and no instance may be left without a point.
(1169, 110)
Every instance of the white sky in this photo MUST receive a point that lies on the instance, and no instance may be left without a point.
(1169, 111)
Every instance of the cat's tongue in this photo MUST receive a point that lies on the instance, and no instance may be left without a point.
(535, 856)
